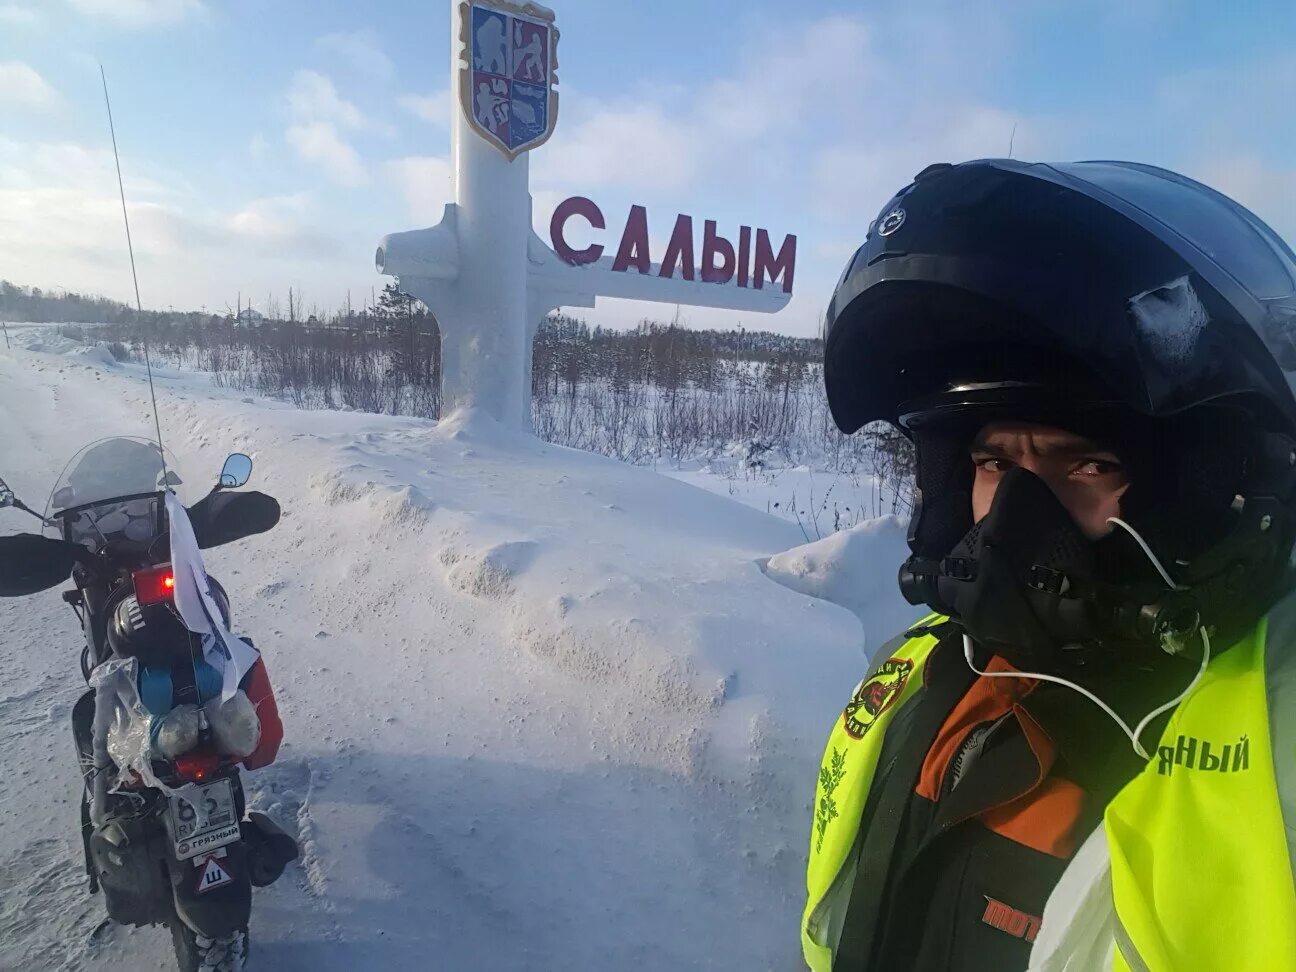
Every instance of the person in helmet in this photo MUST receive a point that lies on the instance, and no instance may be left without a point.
(1085, 757)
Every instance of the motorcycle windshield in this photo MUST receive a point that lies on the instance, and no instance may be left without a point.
(111, 468)
(94, 482)
(93, 485)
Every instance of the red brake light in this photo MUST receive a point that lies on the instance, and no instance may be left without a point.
(197, 765)
(155, 585)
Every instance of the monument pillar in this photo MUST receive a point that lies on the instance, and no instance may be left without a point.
(484, 347)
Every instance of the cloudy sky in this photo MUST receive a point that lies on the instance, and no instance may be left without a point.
(271, 144)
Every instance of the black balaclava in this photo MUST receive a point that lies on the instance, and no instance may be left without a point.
(1026, 582)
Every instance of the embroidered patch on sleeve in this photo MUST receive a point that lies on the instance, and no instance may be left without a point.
(875, 695)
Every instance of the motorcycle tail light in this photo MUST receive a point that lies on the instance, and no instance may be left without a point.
(197, 766)
(155, 585)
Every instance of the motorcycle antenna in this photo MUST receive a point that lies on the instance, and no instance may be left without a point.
(130, 248)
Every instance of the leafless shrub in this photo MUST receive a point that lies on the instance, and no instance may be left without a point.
(658, 393)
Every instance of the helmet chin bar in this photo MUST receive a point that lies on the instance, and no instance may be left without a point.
(1086, 618)
(1025, 581)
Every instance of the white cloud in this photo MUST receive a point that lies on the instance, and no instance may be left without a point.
(139, 13)
(669, 137)
(20, 84)
(632, 144)
(874, 170)
(313, 97)
(1259, 84)
(361, 50)
(276, 224)
(319, 143)
(791, 82)
(268, 218)
(1268, 191)
(433, 107)
(33, 165)
(60, 226)
(426, 183)
(15, 16)
(78, 234)
(318, 112)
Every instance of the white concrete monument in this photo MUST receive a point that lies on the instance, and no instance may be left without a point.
(484, 272)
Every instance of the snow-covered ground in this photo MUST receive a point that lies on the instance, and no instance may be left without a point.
(542, 709)
(819, 502)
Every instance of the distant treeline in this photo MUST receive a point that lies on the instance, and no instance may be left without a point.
(658, 391)
(31, 304)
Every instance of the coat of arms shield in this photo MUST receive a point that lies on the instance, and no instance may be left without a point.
(507, 84)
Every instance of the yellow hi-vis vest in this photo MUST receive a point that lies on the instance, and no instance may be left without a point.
(1201, 864)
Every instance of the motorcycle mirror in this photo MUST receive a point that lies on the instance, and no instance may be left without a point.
(236, 471)
(171, 479)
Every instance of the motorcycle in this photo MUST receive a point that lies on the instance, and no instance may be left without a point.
(169, 717)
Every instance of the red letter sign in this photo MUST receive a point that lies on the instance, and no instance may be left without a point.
(750, 264)
(634, 242)
(679, 249)
(575, 206)
(713, 244)
(785, 264)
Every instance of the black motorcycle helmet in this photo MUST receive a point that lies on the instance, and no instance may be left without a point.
(1120, 301)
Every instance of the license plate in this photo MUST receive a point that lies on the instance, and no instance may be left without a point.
(221, 826)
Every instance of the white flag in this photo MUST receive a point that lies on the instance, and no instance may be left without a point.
(232, 657)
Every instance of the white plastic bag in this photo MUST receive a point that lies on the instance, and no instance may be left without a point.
(121, 734)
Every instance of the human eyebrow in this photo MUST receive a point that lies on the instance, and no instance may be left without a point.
(1081, 450)
(989, 449)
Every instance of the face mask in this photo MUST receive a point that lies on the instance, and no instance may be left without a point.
(1007, 580)
(1025, 552)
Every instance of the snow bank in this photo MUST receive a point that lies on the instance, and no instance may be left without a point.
(542, 709)
(856, 569)
(45, 338)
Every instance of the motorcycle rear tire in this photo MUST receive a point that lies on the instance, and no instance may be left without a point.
(194, 953)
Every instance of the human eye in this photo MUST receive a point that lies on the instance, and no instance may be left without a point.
(991, 463)
(1098, 466)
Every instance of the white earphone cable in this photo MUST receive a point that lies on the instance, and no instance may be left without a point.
(1147, 550)
(1137, 731)
(1132, 734)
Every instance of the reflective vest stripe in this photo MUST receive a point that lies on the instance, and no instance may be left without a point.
(845, 777)
(1127, 957)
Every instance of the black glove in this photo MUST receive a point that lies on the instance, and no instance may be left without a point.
(223, 517)
(30, 563)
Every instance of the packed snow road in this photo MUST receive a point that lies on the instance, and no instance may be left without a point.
(542, 709)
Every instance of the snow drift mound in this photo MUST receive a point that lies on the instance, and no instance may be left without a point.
(542, 709)
(855, 568)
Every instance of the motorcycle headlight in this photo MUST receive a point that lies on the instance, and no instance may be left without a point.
(235, 725)
(178, 731)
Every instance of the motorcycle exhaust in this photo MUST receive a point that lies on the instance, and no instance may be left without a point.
(269, 849)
